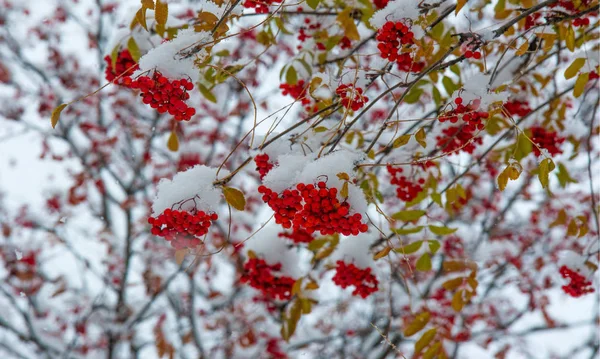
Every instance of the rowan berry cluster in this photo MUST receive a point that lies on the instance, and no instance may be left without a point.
(165, 95)
(405, 189)
(458, 138)
(352, 97)
(578, 284)
(473, 119)
(313, 209)
(582, 21)
(297, 91)
(515, 107)
(258, 274)
(297, 236)
(472, 54)
(392, 37)
(380, 4)
(124, 65)
(261, 6)
(263, 166)
(363, 280)
(548, 140)
(182, 228)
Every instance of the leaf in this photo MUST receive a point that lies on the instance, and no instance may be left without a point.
(344, 191)
(114, 55)
(580, 83)
(343, 176)
(458, 301)
(235, 198)
(382, 253)
(161, 12)
(297, 287)
(420, 137)
(459, 5)
(401, 141)
(457, 266)
(452, 284)
(140, 15)
(563, 176)
(545, 168)
(404, 231)
(449, 86)
(434, 246)
(147, 4)
(424, 263)
(320, 129)
(441, 231)
(408, 215)
(291, 76)
(424, 340)
(572, 228)
(347, 23)
(413, 96)
(437, 96)
(313, 3)
(522, 50)
(502, 180)
(56, 114)
(409, 248)
(173, 142)
(570, 39)
(417, 324)
(207, 93)
(572, 70)
(134, 50)
(432, 351)
(180, 255)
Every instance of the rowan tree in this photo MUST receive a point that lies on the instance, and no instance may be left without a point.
(280, 179)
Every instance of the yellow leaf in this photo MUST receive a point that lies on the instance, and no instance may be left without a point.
(161, 13)
(425, 339)
(572, 70)
(459, 5)
(432, 351)
(235, 198)
(545, 168)
(147, 4)
(343, 176)
(344, 191)
(312, 286)
(382, 253)
(173, 142)
(347, 23)
(457, 266)
(417, 324)
(140, 15)
(522, 50)
(56, 114)
(561, 219)
(180, 255)
(420, 137)
(458, 301)
(452, 284)
(297, 287)
(502, 180)
(401, 141)
(572, 228)
(580, 83)
(570, 40)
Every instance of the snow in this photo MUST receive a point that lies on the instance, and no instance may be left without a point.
(395, 11)
(274, 249)
(167, 59)
(196, 181)
(353, 249)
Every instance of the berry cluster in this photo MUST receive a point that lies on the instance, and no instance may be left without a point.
(263, 166)
(548, 140)
(124, 65)
(258, 274)
(532, 20)
(380, 4)
(469, 114)
(363, 280)
(392, 37)
(472, 54)
(405, 189)
(182, 228)
(261, 6)
(352, 97)
(515, 107)
(458, 138)
(297, 91)
(165, 95)
(313, 209)
(578, 284)
(297, 236)
(582, 21)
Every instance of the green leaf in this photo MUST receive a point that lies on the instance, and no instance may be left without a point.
(425, 339)
(409, 248)
(420, 137)
(572, 70)
(580, 83)
(401, 141)
(563, 176)
(441, 231)
(313, 3)
(134, 50)
(449, 86)
(417, 324)
(544, 170)
(434, 246)
(405, 231)
(291, 76)
(413, 96)
(206, 93)
(235, 198)
(437, 96)
(424, 263)
(409, 215)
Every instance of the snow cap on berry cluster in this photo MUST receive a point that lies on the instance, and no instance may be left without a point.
(476, 88)
(267, 245)
(166, 58)
(396, 10)
(196, 181)
(355, 250)
(575, 261)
